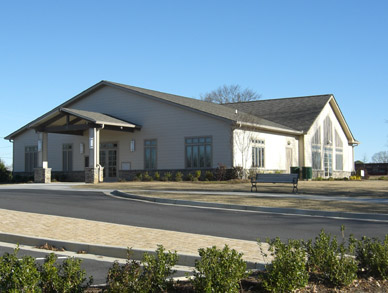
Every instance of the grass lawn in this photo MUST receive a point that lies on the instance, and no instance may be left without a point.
(356, 189)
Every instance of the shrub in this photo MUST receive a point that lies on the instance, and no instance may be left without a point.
(158, 269)
(125, 278)
(167, 176)
(178, 176)
(153, 277)
(24, 275)
(189, 177)
(197, 175)
(372, 255)
(218, 270)
(147, 177)
(331, 260)
(72, 277)
(220, 172)
(288, 271)
(157, 176)
(18, 275)
(209, 176)
(138, 177)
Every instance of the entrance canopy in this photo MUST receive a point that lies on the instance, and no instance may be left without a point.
(75, 122)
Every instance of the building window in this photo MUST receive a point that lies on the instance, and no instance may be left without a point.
(198, 152)
(258, 153)
(67, 157)
(316, 150)
(30, 158)
(150, 147)
(339, 153)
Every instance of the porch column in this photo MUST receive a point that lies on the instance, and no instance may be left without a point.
(42, 174)
(94, 171)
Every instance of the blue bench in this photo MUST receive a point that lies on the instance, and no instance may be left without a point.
(276, 178)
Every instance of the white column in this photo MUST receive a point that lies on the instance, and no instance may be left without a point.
(93, 140)
(42, 150)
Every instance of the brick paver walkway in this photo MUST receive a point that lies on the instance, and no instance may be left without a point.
(101, 233)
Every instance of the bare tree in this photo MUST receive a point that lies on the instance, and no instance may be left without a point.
(230, 94)
(380, 157)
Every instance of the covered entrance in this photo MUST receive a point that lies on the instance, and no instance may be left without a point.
(102, 159)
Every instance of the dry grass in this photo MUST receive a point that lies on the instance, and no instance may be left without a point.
(367, 188)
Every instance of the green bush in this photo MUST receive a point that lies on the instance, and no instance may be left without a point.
(158, 269)
(25, 275)
(153, 277)
(18, 275)
(331, 260)
(138, 177)
(197, 175)
(189, 177)
(147, 177)
(372, 255)
(167, 176)
(157, 176)
(288, 271)
(178, 176)
(209, 176)
(125, 278)
(218, 270)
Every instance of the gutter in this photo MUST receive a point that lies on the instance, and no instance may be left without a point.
(270, 128)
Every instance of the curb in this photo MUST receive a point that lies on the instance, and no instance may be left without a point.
(300, 212)
(105, 250)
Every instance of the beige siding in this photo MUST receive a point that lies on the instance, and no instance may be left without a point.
(167, 123)
(28, 138)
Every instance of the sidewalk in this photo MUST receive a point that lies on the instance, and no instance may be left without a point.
(100, 233)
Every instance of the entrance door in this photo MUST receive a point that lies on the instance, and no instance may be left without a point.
(108, 159)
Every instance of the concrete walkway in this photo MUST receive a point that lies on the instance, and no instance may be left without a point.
(107, 234)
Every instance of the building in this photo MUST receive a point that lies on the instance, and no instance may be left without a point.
(113, 130)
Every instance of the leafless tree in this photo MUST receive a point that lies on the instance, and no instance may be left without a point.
(230, 94)
(380, 157)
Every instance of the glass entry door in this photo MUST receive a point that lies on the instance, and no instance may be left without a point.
(108, 159)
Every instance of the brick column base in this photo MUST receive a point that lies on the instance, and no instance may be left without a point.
(42, 175)
(93, 175)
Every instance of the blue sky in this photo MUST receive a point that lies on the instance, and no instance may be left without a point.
(52, 50)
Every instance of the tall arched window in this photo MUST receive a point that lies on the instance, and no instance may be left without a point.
(339, 152)
(316, 150)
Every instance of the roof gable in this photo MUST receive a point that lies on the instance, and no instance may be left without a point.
(297, 113)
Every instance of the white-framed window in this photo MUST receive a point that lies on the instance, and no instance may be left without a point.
(258, 153)
(67, 157)
(339, 152)
(30, 158)
(316, 150)
(198, 152)
(150, 153)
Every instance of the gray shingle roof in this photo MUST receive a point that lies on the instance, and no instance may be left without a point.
(297, 113)
(98, 118)
(205, 107)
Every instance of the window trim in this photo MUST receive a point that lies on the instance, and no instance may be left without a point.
(72, 157)
(258, 143)
(156, 154)
(198, 144)
(34, 158)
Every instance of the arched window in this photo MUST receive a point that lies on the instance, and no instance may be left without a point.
(316, 150)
